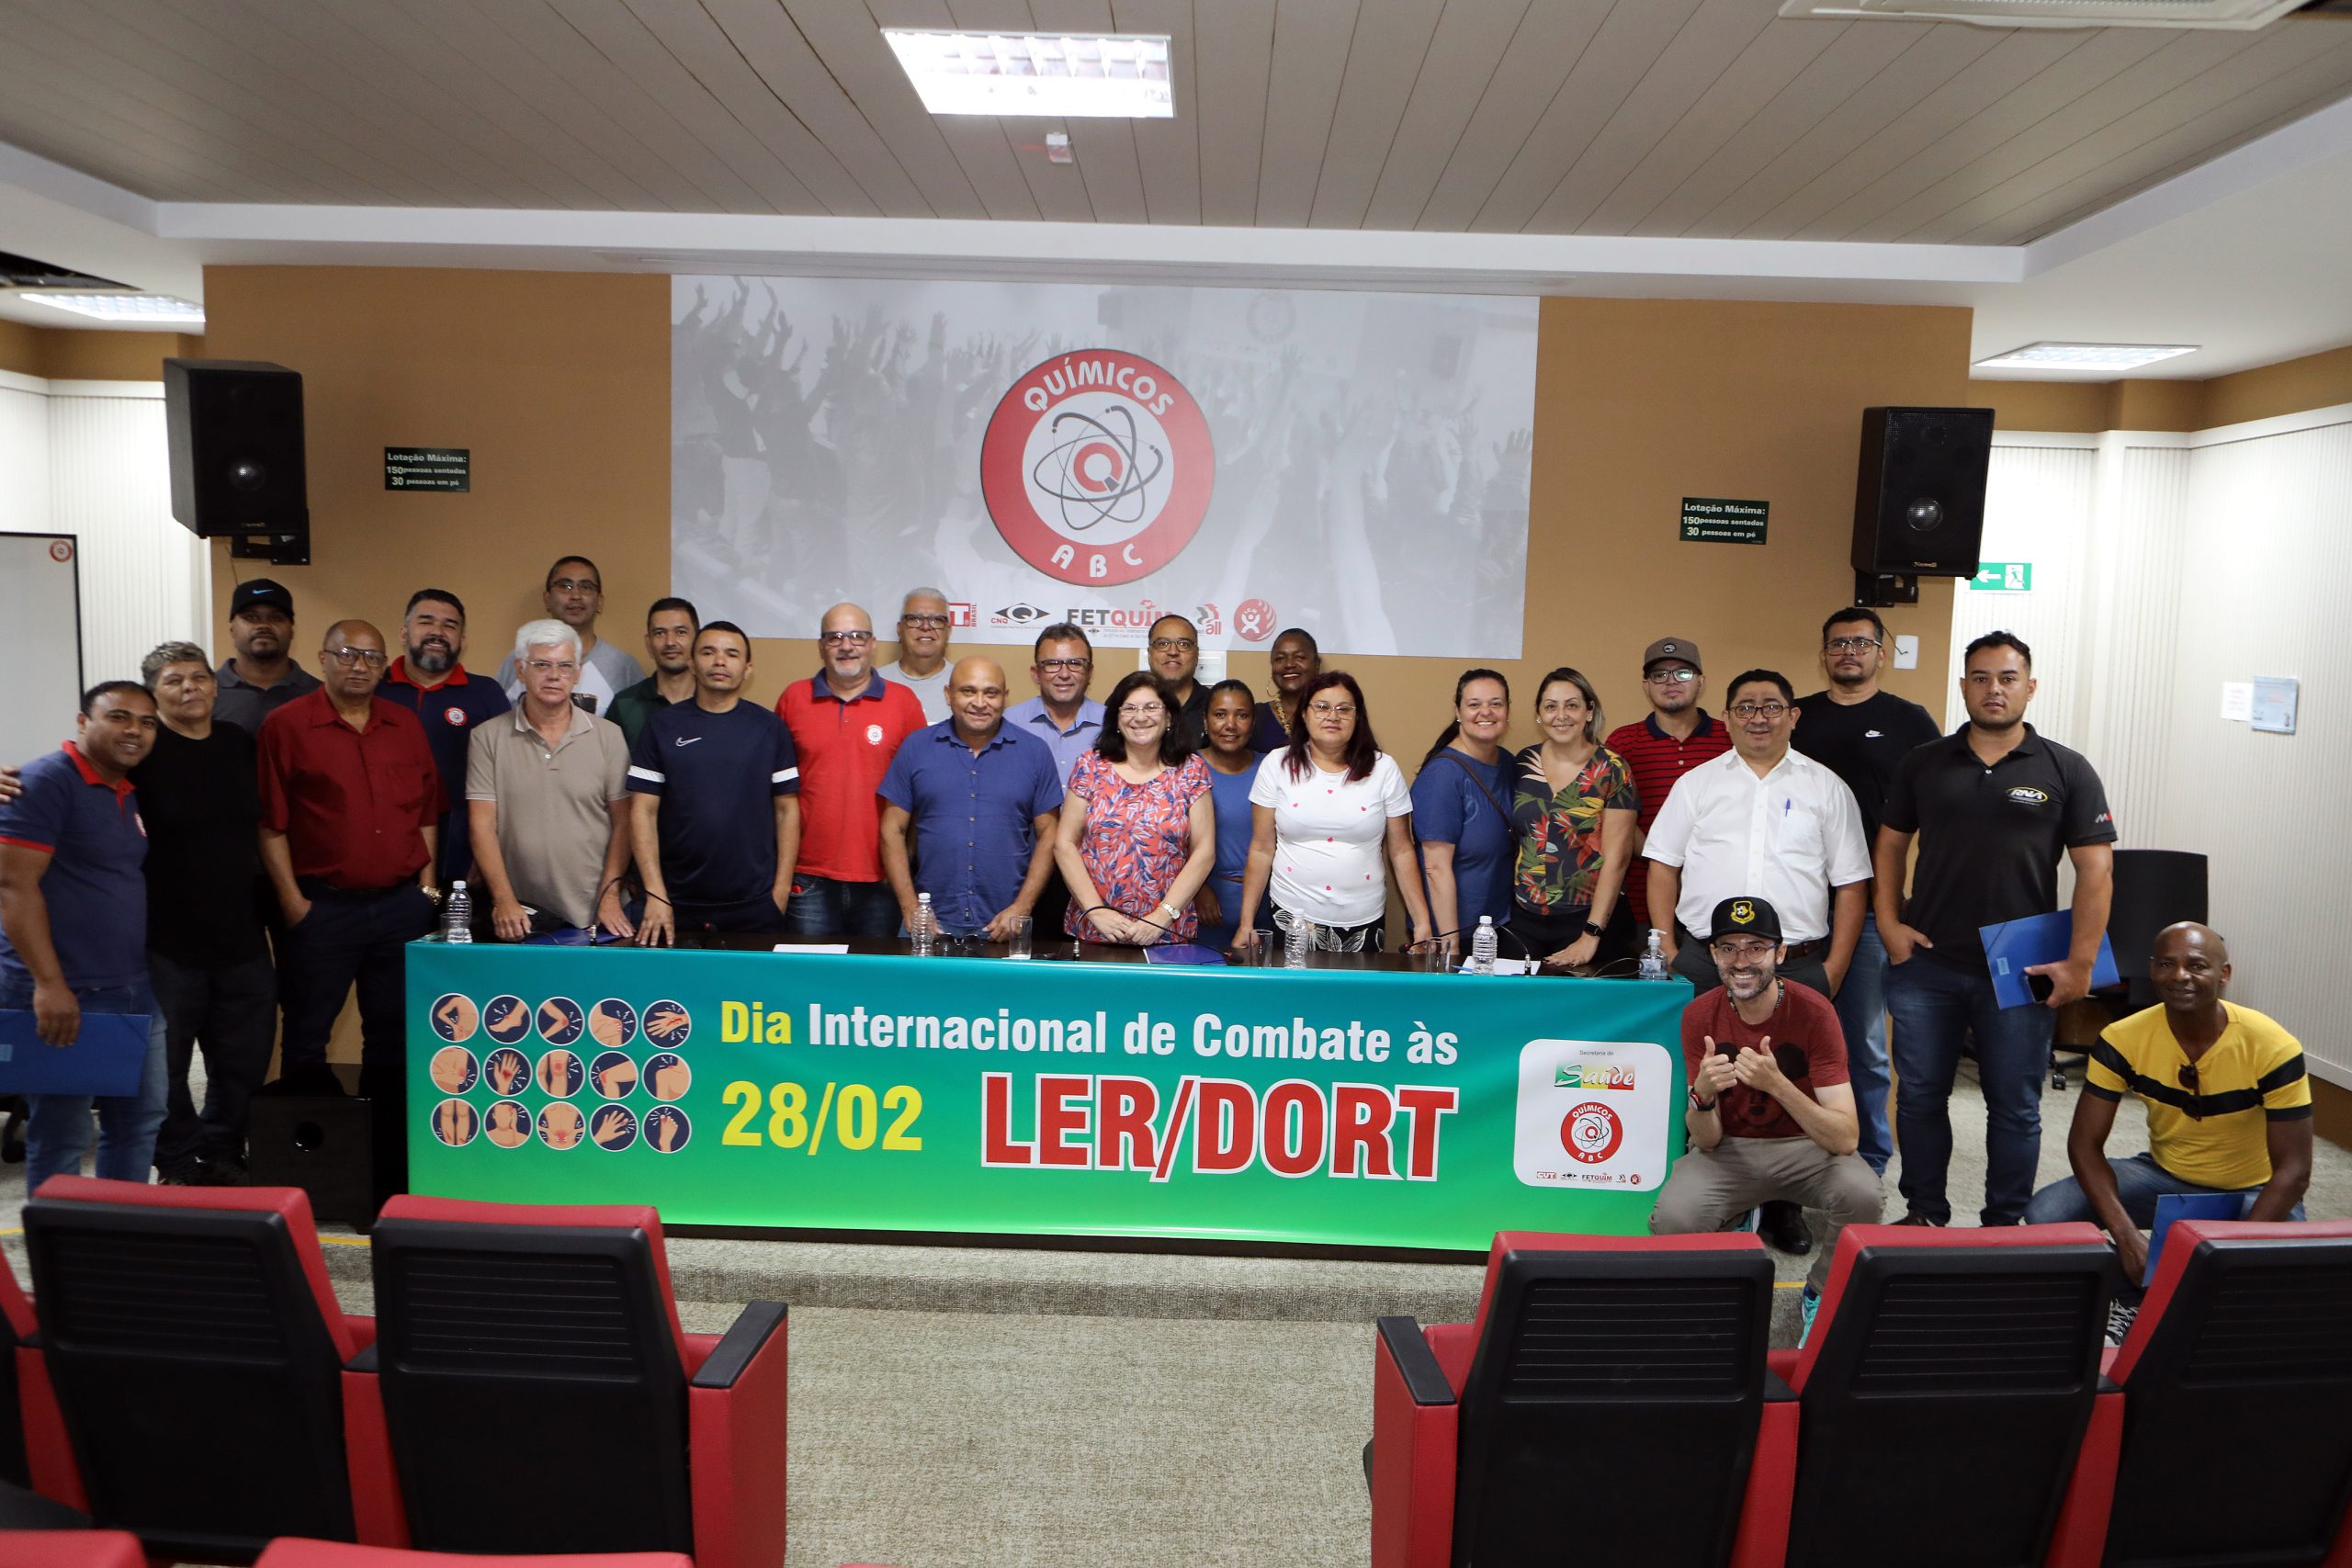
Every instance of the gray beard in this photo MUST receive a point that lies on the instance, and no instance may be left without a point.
(433, 660)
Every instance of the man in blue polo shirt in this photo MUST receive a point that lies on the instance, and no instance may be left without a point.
(717, 825)
(981, 796)
(427, 680)
(74, 927)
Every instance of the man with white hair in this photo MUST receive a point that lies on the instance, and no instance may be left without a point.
(922, 666)
(428, 681)
(547, 795)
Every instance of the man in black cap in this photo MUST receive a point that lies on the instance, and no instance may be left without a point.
(262, 677)
(1771, 1111)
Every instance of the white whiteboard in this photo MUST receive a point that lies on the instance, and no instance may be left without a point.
(40, 642)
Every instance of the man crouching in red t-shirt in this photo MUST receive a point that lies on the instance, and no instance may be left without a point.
(1771, 1113)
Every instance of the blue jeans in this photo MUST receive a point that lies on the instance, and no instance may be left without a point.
(1936, 1007)
(821, 905)
(2139, 1183)
(1861, 1014)
(57, 1126)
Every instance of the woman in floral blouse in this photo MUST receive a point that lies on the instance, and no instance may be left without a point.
(1138, 834)
(1573, 817)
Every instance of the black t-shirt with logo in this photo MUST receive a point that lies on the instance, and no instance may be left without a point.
(1990, 838)
(1861, 742)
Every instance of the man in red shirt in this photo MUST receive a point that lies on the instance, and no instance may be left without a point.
(350, 801)
(1772, 1113)
(846, 724)
(1673, 737)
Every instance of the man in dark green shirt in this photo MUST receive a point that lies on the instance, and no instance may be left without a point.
(669, 627)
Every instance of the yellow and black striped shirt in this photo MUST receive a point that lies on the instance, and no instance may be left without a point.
(2211, 1135)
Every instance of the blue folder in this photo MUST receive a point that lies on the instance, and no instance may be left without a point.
(2012, 947)
(108, 1058)
(2173, 1206)
(1182, 953)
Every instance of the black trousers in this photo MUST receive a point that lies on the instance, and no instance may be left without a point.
(1539, 933)
(357, 940)
(229, 1012)
(1696, 964)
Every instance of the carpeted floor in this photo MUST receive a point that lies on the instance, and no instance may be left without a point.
(957, 1407)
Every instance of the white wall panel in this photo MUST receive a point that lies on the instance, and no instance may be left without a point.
(24, 456)
(2038, 501)
(145, 580)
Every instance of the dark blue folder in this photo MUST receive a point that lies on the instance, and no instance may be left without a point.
(107, 1057)
(2171, 1206)
(2013, 946)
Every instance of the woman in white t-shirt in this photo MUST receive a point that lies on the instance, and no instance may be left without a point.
(1323, 811)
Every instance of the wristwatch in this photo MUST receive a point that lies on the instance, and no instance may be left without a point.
(1697, 1104)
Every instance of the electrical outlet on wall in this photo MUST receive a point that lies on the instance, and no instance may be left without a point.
(1907, 652)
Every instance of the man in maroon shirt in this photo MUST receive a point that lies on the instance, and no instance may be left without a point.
(1673, 737)
(1771, 1113)
(350, 800)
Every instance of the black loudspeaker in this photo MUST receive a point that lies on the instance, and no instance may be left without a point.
(1919, 493)
(323, 1144)
(2154, 888)
(235, 430)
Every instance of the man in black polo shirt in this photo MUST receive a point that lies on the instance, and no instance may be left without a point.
(1993, 806)
(262, 677)
(1859, 733)
(207, 958)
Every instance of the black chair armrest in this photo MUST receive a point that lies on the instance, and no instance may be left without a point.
(754, 1328)
(1416, 1363)
(1777, 1390)
(363, 1362)
(2107, 1385)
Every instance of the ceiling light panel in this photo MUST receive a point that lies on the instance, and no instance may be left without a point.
(1122, 76)
(152, 310)
(2085, 355)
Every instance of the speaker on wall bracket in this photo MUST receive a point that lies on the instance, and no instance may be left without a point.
(234, 428)
(291, 549)
(1918, 499)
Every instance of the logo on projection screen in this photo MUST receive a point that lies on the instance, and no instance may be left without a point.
(1097, 467)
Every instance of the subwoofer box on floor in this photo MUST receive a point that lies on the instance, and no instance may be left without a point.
(321, 1144)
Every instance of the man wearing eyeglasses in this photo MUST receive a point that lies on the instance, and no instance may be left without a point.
(1859, 733)
(1175, 654)
(575, 595)
(1993, 805)
(429, 681)
(922, 666)
(847, 723)
(1673, 737)
(351, 805)
(1765, 820)
(1063, 716)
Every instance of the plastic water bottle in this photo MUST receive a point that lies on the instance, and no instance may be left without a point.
(1653, 965)
(924, 928)
(1482, 947)
(1294, 944)
(457, 913)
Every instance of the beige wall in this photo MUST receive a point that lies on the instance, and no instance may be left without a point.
(2314, 381)
(558, 383)
(80, 355)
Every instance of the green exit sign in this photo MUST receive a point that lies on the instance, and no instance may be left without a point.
(2003, 576)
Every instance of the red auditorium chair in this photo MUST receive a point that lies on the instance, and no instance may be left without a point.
(71, 1549)
(1611, 1403)
(2237, 1375)
(1951, 1406)
(295, 1553)
(18, 1333)
(196, 1353)
(539, 1396)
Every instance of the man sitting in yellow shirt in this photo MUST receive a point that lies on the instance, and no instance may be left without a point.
(2229, 1105)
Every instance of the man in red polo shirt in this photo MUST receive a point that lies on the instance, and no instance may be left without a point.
(846, 724)
(349, 803)
(1675, 737)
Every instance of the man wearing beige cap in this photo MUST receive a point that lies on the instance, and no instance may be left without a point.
(1673, 737)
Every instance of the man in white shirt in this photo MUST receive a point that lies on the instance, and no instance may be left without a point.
(1762, 820)
(575, 595)
(922, 666)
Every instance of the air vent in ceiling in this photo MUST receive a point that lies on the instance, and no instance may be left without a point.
(22, 272)
(2239, 15)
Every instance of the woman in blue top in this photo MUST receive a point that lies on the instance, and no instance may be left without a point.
(1462, 813)
(1230, 718)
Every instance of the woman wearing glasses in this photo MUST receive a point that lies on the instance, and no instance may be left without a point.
(1324, 811)
(1137, 835)
(1573, 824)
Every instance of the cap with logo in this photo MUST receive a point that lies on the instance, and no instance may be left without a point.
(258, 591)
(1680, 648)
(1745, 917)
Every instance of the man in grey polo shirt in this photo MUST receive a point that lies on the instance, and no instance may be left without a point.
(262, 677)
(547, 798)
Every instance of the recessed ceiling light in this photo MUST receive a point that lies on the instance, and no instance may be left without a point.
(1122, 76)
(159, 310)
(2085, 355)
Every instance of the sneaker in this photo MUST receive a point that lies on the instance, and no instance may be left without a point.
(2119, 1318)
(1916, 1218)
(1808, 1305)
(219, 1170)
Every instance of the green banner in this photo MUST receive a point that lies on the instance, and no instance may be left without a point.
(975, 1094)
